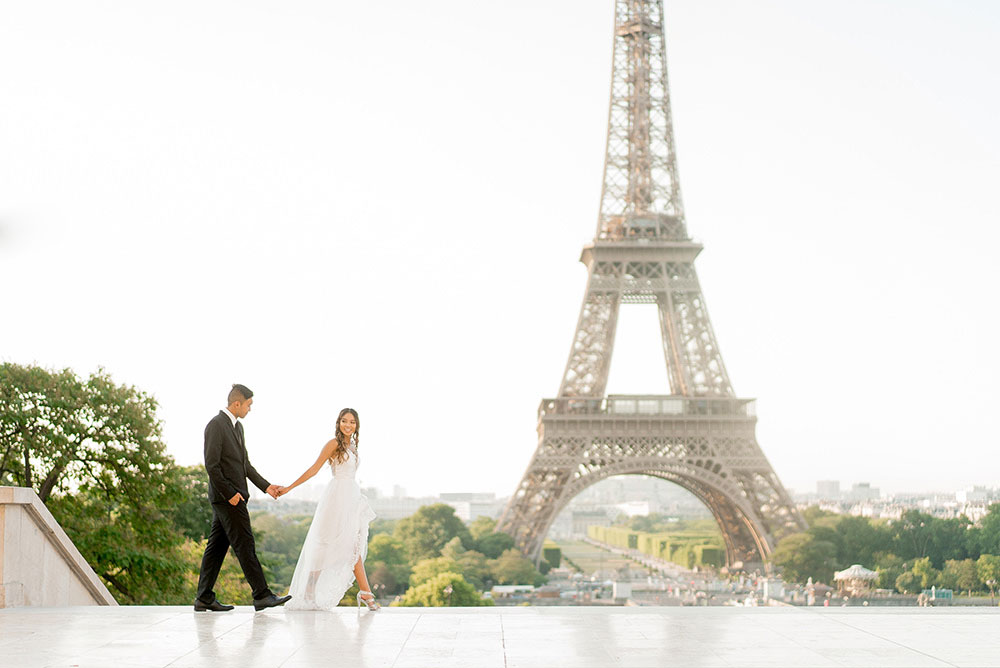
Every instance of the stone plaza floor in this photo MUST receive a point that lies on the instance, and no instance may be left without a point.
(502, 637)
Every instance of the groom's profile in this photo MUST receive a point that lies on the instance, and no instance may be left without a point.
(228, 468)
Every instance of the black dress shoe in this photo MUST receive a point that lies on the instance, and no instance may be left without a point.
(270, 601)
(214, 606)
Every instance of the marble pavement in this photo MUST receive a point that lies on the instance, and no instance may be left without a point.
(503, 637)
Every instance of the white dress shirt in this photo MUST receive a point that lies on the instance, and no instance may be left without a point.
(232, 418)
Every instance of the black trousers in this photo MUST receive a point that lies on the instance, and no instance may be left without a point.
(231, 527)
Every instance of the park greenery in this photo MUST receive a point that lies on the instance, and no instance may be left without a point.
(691, 543)
(910, 554)
(93, 452)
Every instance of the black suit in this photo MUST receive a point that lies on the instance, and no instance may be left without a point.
(228, 468)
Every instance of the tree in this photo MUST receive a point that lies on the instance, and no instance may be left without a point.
(889, 568)
(552, 554)
(387, 563)
(512, 568)
(444, 589)
(428, 569)
(426, 531)
(380, 526)
(923, 569)
(58, 431)
(494, 544)
(193, 513)
(960, 574)
(475, 569)
(389, 549)
(988, 570)
(908, 583)
(989, 534)
(279, 542)
(453, 549)
(91, 449)
(380, 573)
(814, 514)
(913, 533)
(860, 540)
(472, 565)
(482, 526)
(801, 556)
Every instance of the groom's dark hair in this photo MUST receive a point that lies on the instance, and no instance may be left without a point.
(239, 393)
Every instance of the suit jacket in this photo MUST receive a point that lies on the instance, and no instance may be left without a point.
(226, 461)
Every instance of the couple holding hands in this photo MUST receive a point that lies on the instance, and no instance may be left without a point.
(333, 554)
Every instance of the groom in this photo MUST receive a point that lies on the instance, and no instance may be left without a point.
(228, 469)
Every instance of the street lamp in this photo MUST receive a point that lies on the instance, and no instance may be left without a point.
(448, 591)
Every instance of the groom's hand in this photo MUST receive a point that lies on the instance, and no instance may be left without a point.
(274, 491)
(236, 499)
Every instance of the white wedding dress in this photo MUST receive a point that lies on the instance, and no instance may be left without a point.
(337, 538)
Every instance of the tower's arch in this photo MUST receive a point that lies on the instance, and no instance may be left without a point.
(744, 538)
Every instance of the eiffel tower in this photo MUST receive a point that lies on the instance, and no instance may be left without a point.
(701, 436)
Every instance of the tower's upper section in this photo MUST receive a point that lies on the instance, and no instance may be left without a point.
(641, 197)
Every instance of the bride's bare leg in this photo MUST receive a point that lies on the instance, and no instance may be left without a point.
(361, 576)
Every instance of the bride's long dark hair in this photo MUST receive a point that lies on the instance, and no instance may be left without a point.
(339, 454)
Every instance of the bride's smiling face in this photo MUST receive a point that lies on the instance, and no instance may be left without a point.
(348, 424)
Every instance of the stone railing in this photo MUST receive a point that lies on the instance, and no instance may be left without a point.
(39, 565)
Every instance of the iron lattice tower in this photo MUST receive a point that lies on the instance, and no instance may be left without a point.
(700, 436)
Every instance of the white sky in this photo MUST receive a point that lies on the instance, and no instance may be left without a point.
(381, 205)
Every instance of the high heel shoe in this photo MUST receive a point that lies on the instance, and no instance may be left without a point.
(372, 604)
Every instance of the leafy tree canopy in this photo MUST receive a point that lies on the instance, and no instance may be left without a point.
(494, 544)
(91, 449)
(444, 589)
(425, 532)
(512, 568)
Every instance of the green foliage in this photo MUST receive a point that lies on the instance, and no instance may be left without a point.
(444, 589)
(475, 569)
(684, 543)
(134, 548)
(552, 554)
(801, 556)
(923, 569)
(231, 587)
(889, 568)
(482, 526)
(860, 540)
(988, 538)
(988, 571)
(424, 533)
(91, 449)
(814, 515)
(494, 544)
(279, 541)
(428, 569)
(960, 575)
(393, 579)
(512, 568)
(386, 548)
(380, 526)
(909, 583)
(453, 549)
(192, 514)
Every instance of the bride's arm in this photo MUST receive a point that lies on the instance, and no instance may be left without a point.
(314, 469)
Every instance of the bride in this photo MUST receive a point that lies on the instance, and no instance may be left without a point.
(334, 551)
